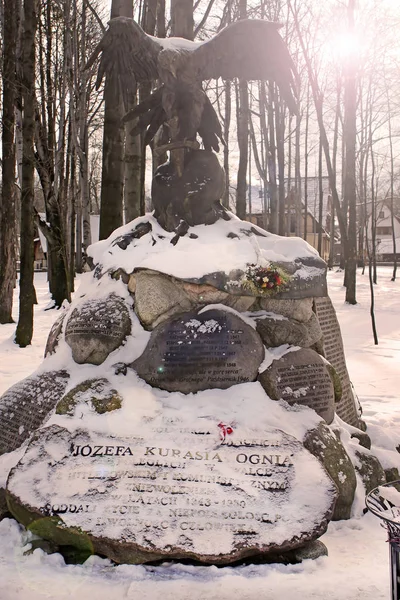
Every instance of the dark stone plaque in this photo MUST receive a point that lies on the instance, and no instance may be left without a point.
(54, 335)
(301, 377)
(25, 406)
(96, 328)
(334, 353)
(175, 491)
(199, 351)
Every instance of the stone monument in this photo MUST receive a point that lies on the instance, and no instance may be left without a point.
(186, 405)
(208, 401)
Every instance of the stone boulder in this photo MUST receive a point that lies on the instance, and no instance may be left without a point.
(157, 298)
(201, 295)
(26, 405)
(301, 377)
(370, 469)
(172, 493)
(198, 351)
(275, 332)
(329, 450)
(392, 474)
(96, 328)
(300, 309)
(310, 551)
(4, 512)
(306, 277)
(98, 394)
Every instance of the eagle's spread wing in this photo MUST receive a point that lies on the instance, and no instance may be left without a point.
(252, 50)
(128, 56)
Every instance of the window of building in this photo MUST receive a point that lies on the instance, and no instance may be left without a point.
(383, 231)
(381, 214)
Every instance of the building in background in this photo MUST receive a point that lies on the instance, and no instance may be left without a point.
(297, 216)
(384, 233)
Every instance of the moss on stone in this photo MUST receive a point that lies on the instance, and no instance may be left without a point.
(392, 474)
(75, 545)
(329, 450)
(370, 470)
(97, 393)
(3, 504)
(22, 514)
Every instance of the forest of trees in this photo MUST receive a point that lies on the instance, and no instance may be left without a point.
(67, 153)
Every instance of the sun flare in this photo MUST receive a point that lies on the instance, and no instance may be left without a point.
(344, 45)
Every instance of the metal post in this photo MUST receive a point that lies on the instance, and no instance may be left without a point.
(381, 502)
(394, 569)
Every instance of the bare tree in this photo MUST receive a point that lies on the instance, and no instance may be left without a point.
(24, 330)
(242, 120)
(112, 184)
(350, 137)
(50, 142)
(7, 212)
(391, 189)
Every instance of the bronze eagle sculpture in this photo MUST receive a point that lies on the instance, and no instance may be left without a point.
(248, 49)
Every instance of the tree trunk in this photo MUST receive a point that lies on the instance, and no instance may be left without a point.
(350, 138)
(306, 164)
(72, 233)
(7, 213)
(112, 185)
(134, 148)
(392, 221)
(297, 178)
(272, 164)
(112, 182)
(280, 146)
(182, 18)
(264, 154)
(24, 330)
(320, 198)
(243, 142)
(242, 118)
(227, 123)
(84, 141)
(50, 137)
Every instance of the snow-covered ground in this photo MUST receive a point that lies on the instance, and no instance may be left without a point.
(357, 565)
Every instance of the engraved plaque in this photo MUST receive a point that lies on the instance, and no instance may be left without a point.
(300, 377)
(96, 328)
(334, 353)
(25, 406)
(177, 491)
(198, 351)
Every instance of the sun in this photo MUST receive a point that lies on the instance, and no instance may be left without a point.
(346, 45)
(343, 47)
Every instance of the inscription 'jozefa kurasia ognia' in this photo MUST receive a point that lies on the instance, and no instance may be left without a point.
(178, 488)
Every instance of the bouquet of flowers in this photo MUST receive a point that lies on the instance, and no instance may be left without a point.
(264, 279)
